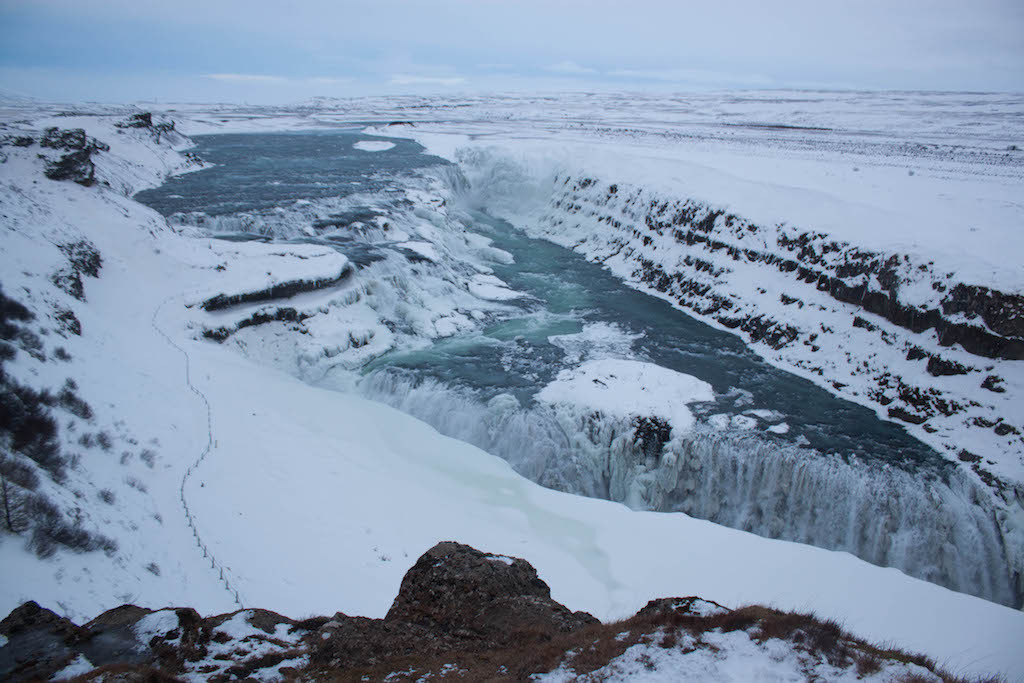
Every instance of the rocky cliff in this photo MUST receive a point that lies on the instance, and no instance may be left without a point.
(889, 330)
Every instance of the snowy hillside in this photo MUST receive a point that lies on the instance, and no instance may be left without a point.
(207, 477)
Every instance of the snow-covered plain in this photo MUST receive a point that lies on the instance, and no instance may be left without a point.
(314, 501)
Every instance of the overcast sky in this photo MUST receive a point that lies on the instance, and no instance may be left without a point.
(271, 51)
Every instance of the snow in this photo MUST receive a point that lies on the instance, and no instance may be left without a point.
(246, 642)
(424, 249)
(336, 454)
(157, 623)
(373, 145)
(78, 666)
(489, 287)
(256, 266)
(314, 501)
(703, 608)
(832, 164)
(628, 389)
(727, 657)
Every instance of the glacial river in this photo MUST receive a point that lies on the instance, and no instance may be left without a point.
(773, 453)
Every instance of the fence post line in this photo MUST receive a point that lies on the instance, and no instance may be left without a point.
(205, 451)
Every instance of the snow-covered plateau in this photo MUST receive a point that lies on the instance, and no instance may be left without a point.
(215, 447)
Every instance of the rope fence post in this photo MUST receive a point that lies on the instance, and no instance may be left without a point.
(206, 449)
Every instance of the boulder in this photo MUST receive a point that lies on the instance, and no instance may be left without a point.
(39, 643)
(457, 590)
(76, 164)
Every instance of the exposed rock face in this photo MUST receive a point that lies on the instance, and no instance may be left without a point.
(281, 290)
(144, 121)
(38, 643)
(873, 304)
(459, 590)
(76, 164)
(460, 613)
(140, 120)
(455, 598)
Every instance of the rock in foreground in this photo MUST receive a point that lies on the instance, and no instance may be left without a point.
(460, 614)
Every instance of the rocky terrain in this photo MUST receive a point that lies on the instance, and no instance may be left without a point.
(460, 614)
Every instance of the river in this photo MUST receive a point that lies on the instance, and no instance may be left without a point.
(772, 453)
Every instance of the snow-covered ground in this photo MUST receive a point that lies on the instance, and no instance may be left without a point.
(306, 500)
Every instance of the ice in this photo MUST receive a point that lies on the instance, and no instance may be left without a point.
(374, 145)
(489, 287)
(597, 341)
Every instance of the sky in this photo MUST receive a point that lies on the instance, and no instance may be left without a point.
(279, 51)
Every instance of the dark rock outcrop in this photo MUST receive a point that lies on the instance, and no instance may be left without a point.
(281, 290)
(39, 643)
(141, 120)
(64, 139)
(144, 121)
(454, 599)
(458, 590)
(76, 164)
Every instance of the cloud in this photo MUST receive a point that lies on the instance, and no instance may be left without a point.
(326, 80)
(570, 68)
(405, 79)
(247, 78)
(267, 79)
(697, 76)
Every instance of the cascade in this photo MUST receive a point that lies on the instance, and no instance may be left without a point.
(933, 523)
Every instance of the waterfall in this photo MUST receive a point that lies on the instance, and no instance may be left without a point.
(933, 523)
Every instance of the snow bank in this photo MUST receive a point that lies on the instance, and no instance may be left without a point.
(352, 492)
(629, 389)
(261, 271)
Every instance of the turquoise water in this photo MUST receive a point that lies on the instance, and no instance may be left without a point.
(516, 356)
(265, 170)
(257, 172)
